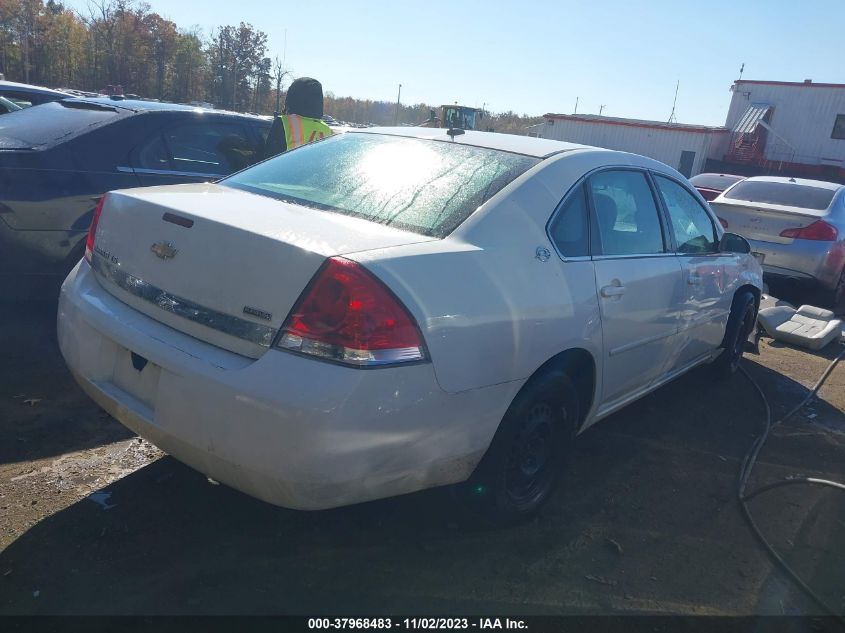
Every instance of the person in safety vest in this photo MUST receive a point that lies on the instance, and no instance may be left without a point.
(301, 121)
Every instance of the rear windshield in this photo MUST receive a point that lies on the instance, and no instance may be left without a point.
(50, 123)
(784, 193)
(714, 181)
(428, 187)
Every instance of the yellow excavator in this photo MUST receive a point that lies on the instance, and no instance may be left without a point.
(456, 116)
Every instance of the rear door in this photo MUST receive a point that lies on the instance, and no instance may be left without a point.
(708, 274)
(638, 279)
(195, 148)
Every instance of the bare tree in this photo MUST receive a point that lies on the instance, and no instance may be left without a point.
(279, 74)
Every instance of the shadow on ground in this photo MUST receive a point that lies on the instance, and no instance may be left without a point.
(42, 411)
(647, 522)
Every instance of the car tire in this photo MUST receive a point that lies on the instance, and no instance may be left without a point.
(523, 464)
(741, 323)
(837, 295)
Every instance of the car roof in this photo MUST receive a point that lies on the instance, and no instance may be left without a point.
(822, 184)
(139, 105)
(29, 88)
(527, 145)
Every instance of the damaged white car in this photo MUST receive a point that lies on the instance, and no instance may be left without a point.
(394, 309)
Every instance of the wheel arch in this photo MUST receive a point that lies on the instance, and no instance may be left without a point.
(580, 365)
(754, 290)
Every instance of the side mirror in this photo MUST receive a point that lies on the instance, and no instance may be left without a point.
(733, 243)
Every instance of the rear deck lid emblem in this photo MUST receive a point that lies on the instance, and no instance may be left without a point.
(164, 250)
(256, 312)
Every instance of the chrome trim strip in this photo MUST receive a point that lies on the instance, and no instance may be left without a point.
(599, 258)
(262, 335)
(166, 172)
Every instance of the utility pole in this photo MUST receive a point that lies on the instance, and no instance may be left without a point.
(741, 69)
(576, 106)
(398, 98)
(601, 109)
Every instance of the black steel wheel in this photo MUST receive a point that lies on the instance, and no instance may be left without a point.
(522, 466)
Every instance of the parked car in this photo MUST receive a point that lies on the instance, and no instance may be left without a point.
(395, 309)
(711, 185)
(796, 226)
(57, 159)
(26, 95)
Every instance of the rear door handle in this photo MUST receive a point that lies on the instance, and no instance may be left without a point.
(612, 291)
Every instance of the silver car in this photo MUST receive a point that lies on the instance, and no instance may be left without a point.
(796, 227)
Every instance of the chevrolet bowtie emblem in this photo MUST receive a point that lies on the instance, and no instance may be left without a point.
(164, 250)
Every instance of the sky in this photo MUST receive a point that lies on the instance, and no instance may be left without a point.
(536, 57)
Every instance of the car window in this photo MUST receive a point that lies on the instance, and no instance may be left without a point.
(425, 186)
(153, 154)
(210, 147)
(26, 99)
(8, 106)
(262, 130)
(22, 99)
(625, 214)
(569, 229)
(691, 225)
(785, 193)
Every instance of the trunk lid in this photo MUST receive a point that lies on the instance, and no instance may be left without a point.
(222, 265)
(762, 222)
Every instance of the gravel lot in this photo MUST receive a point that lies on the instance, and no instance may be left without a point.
(96, 521)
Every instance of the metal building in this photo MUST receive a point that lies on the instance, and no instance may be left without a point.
(682, 146)
(795, 128)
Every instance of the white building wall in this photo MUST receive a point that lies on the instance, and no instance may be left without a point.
(803, 116)
(664, 145)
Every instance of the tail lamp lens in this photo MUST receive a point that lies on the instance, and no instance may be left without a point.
(92, 230)
(818, 230)
(347, 315)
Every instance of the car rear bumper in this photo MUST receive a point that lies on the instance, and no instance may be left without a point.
(803, 259)
(42, 252)
(289, 430)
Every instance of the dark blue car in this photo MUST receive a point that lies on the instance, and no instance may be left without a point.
(58, 158)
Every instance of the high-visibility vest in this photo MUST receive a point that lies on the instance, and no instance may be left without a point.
(300, 130)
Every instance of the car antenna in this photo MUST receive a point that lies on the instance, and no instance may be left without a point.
(454, 131)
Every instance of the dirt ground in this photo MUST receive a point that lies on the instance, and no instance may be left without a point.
(96, 521)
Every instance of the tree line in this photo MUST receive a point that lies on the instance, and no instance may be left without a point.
(385, 113)
(123, 43)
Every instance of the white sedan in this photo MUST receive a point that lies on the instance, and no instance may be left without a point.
(389, 310)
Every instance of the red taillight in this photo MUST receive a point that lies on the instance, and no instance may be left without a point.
(724, 223)
(818, 230)
(347, 315)
(92, 230)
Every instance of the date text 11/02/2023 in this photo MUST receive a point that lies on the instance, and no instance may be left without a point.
(416, 623)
